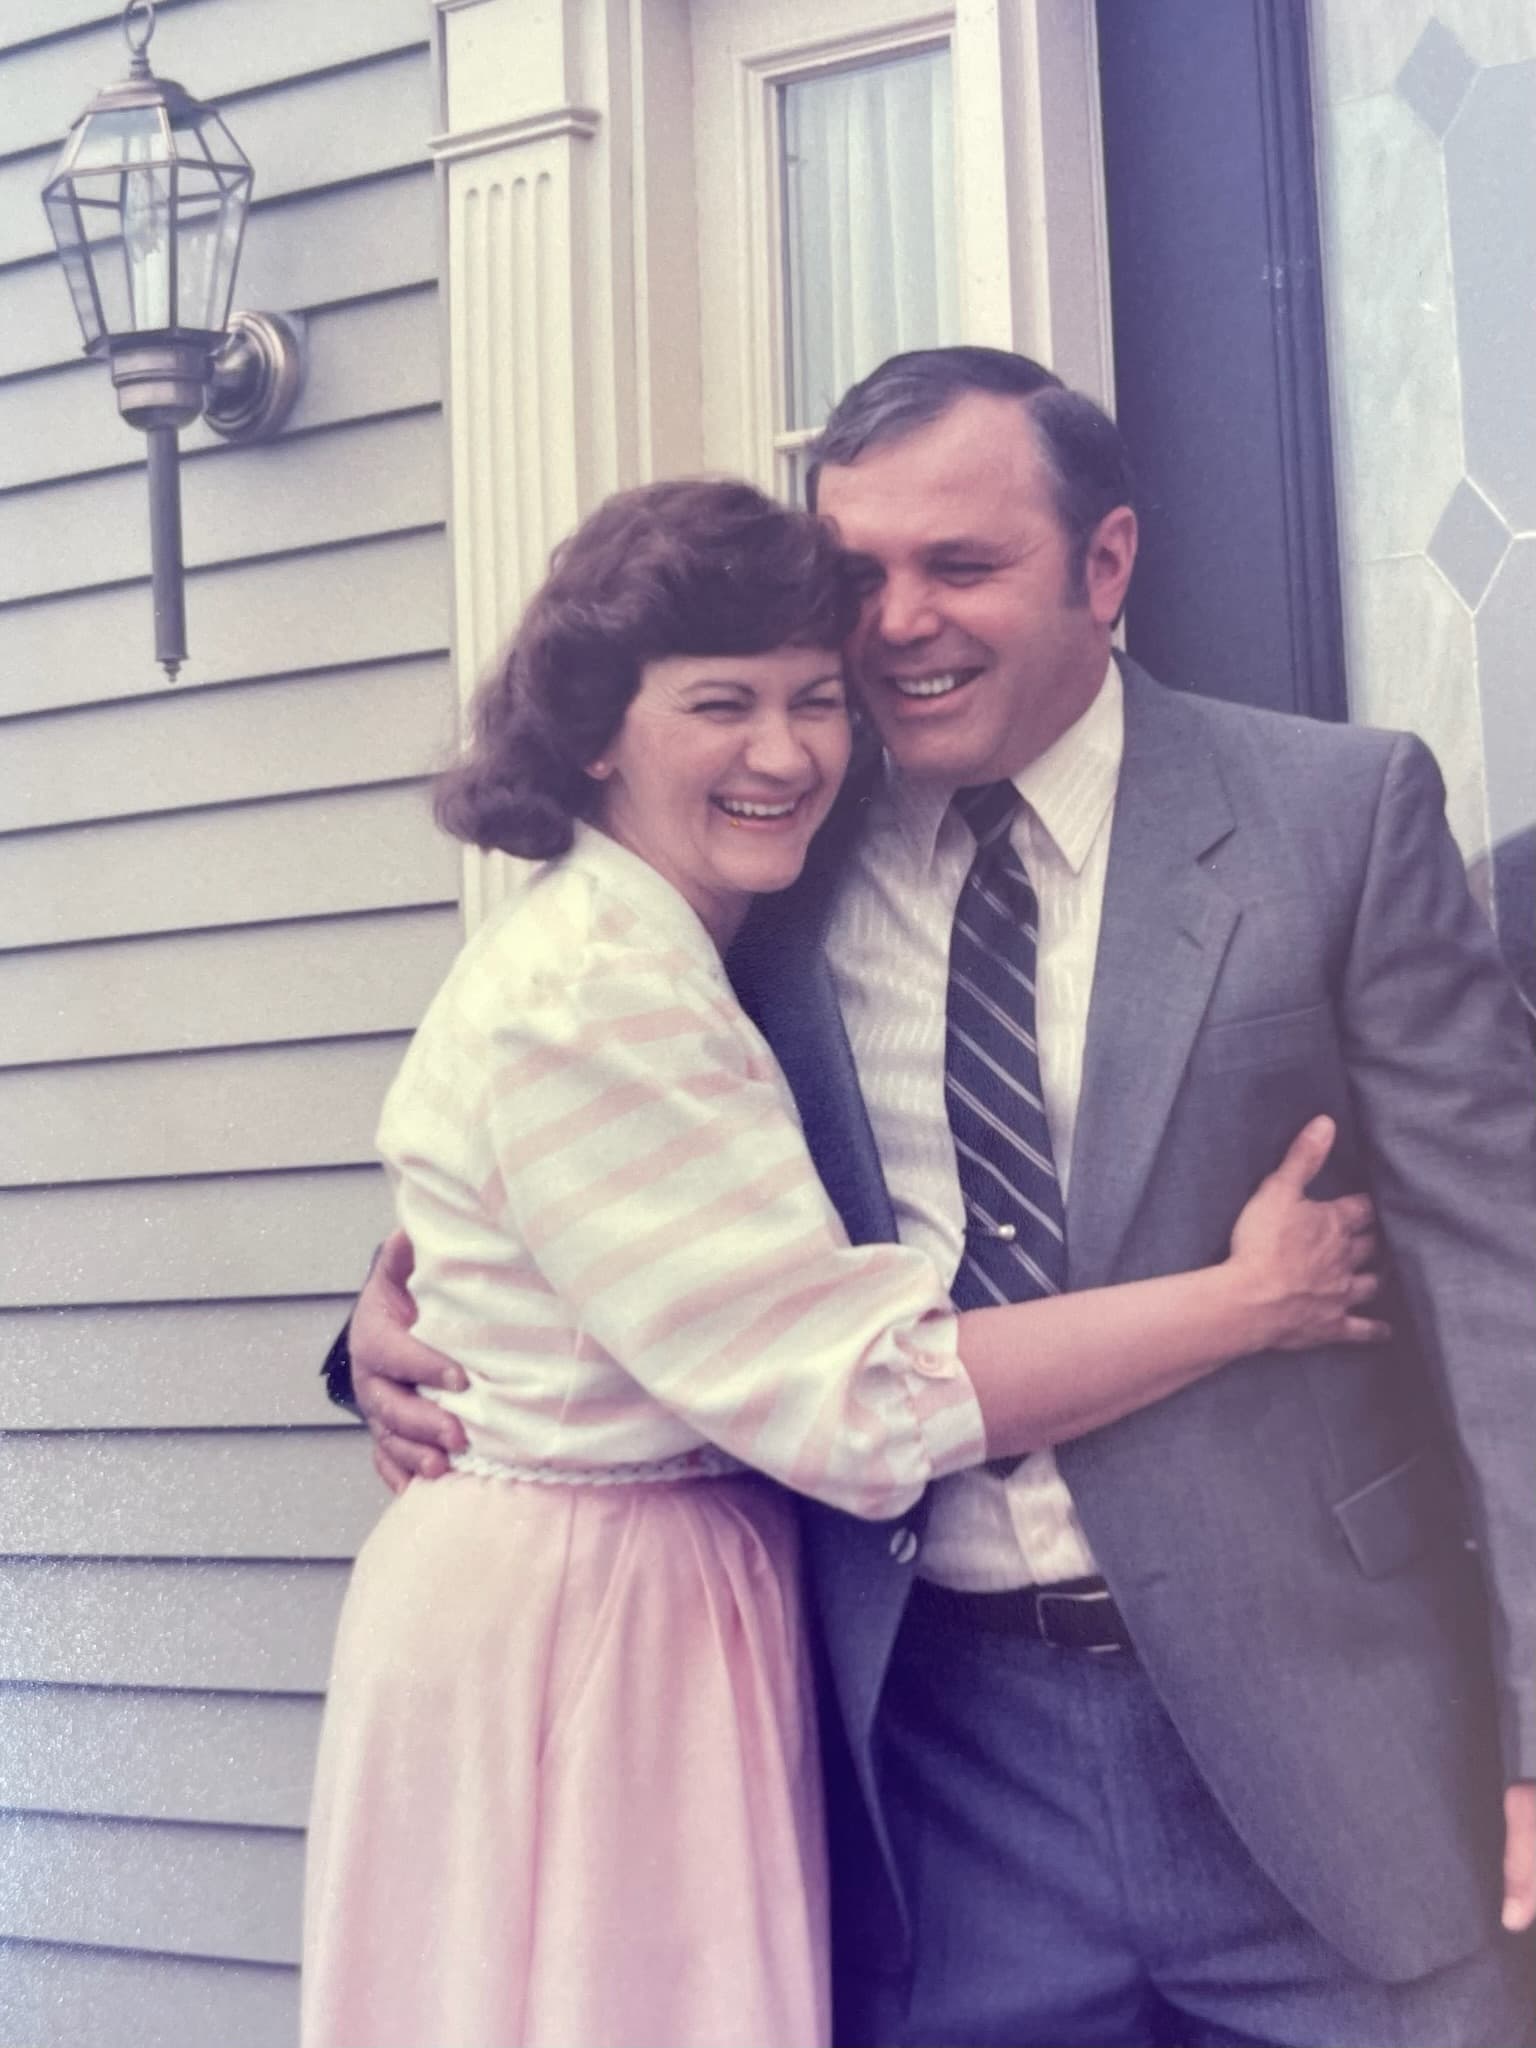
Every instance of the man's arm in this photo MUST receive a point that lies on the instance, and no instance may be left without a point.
(1442, 1071)
(376, 1365)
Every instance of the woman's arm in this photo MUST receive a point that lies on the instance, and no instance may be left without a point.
(644, 1158)
(1045, 1371)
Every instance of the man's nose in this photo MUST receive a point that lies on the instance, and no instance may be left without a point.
(905, 612)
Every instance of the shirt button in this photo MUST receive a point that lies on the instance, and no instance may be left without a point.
(904, 1546)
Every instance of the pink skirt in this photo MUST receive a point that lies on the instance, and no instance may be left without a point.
(568, 1793)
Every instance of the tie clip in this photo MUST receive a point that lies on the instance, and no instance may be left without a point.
(1004, 1233)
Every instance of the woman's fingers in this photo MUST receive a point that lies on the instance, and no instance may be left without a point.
(1365, 1330)
(1363, 1287)
(1306, 1154)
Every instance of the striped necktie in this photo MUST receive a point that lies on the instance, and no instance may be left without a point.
(1015, 1225)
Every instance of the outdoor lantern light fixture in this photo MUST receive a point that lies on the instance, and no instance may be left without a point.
(147, 204)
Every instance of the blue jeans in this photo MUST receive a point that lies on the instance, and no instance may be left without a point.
(1071, 1881)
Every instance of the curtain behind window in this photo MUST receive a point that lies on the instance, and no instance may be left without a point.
(869, 214)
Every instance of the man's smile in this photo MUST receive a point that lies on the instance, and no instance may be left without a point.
(935, 686)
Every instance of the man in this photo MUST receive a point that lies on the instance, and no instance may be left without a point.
(1196, 1731)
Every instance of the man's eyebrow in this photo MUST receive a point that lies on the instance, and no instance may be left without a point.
(965, 544)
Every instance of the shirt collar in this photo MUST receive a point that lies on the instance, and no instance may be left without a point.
(1069, 788)
(666, 911)
(1072, 785)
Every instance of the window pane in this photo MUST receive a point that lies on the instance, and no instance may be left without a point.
(869, 223)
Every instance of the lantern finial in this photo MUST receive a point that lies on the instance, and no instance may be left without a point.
(138, 27)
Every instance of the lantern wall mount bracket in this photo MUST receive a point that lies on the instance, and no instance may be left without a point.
(257, 376)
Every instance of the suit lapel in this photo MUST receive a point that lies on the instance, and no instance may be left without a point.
(782, 978)
(1166, 925)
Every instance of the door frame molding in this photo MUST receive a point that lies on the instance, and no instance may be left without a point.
(1220, 348)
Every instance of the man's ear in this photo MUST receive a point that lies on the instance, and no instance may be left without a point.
(1111, 558)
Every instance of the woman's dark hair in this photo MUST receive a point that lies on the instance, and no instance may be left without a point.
(703, 567)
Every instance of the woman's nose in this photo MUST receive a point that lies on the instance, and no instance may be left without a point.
(774, 747)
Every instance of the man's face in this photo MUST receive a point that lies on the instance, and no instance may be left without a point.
(974, 654)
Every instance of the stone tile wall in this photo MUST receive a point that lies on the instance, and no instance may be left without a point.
(1426, 135)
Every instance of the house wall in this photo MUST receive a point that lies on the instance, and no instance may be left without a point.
(1426, 121)
(222, 908)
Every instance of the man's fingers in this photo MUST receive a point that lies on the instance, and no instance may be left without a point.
(393, 1475)
(1363, 1287)
(1309, 1149)
(1358, 1213)
(1519, 1857)
(394, 1413)
(410, 1460)
(397, 1258)
(384, 1352)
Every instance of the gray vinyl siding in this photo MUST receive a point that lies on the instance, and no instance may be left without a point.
(223, 907)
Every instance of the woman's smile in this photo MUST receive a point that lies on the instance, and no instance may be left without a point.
(722, 770)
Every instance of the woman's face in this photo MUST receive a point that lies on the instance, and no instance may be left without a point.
(723, 768)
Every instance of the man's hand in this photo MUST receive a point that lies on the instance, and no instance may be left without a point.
(1520, 1856)
(412, 1437)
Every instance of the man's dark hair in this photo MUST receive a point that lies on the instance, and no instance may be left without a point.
(698, 568)
(1080, 443)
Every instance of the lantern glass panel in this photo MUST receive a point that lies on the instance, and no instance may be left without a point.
(212, 197)
(68, 233)
(149, 236)
(111, 141)
(95, 205)
(207, 242)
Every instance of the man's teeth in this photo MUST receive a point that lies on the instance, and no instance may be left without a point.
(737, 807)
(926, 686)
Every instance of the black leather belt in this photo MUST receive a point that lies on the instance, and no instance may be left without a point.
(1073, 1614)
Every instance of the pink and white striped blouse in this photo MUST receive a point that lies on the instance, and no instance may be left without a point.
(618, 1230)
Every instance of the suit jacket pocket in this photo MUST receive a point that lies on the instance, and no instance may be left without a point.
(1395, 1517)
(1284, 1037)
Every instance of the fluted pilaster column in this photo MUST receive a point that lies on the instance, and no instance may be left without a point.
(547, 412)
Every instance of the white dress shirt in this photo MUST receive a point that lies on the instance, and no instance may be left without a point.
(889, 949)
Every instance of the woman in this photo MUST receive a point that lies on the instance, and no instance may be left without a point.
(570, 1707)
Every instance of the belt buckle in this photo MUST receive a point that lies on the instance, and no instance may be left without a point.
(1100, 1595)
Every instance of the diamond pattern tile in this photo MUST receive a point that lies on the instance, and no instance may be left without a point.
(1468, 543)
(1435, 78)
(1490, 189)
(1506, 632)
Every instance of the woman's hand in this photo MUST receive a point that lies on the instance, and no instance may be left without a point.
(1305, 1264)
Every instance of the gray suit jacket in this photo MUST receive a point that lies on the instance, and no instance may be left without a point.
(1327, 1561)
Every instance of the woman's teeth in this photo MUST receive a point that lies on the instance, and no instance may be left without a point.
(737, 807)
(926, 686)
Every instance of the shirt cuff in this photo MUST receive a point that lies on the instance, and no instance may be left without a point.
(949, 1417)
